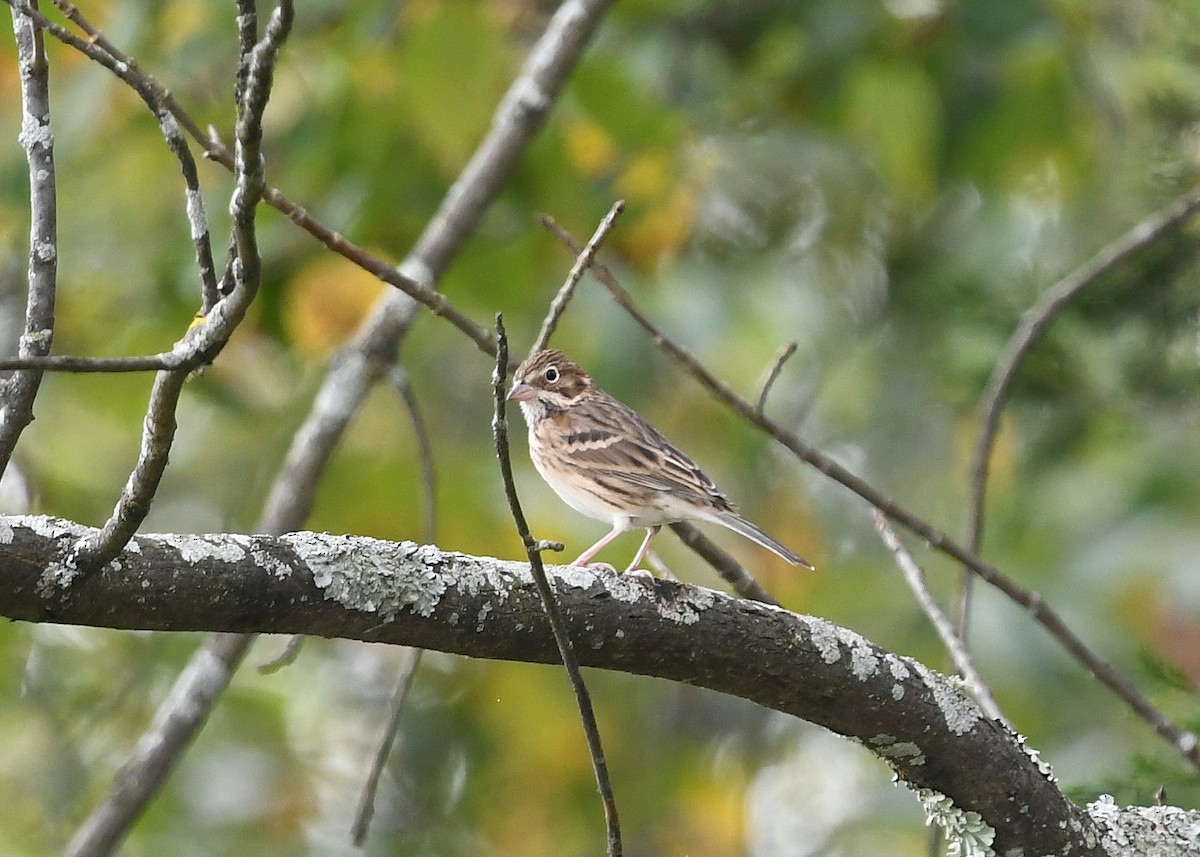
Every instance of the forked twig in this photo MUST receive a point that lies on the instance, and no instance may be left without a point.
(246, 271)
(557, 625)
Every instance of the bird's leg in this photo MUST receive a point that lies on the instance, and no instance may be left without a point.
(651, 532)
(619, 526)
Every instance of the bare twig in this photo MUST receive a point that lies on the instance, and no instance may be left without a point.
(95, 48)
(1033, 324)
(557, 625)
(915, 577)
(408, 669)
(194, 693)
(73, 363)
(400, 382)
(37, 138)
(414, 287)
(366, 803)
(764, 389)
(1184, 742)
(160, 424)
(582, 261)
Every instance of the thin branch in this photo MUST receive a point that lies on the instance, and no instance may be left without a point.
(366, 803)
(915, 578)
(195, 691)
(160, 423)
(764, 388)
(247, 25)
(582, 261)
(408, 396)
(1184, 742)
(18, 393)
(94, 48)
(561, 636)
(1033, 324)
(74, 363)
(408, 669)
(158, 432)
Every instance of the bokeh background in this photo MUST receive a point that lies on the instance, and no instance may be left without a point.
(888, 184)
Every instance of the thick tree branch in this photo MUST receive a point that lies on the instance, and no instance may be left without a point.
(403, 593)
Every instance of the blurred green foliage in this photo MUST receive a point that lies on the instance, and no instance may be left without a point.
(889, 184)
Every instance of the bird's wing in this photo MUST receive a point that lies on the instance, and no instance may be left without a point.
(619, 444)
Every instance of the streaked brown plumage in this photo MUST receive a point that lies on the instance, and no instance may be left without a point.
(608, 463)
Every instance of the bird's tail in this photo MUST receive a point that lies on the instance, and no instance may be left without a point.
(743, 527)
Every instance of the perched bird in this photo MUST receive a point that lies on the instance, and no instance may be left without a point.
(608, 463)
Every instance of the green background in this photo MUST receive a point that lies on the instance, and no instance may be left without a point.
(890, 185)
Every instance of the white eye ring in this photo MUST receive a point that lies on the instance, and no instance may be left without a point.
(551, 374)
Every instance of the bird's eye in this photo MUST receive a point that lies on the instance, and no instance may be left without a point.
(551, 374)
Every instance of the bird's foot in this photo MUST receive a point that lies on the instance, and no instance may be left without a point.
(640, 573)
(603, 566)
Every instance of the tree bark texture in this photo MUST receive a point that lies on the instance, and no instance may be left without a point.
(361, 588)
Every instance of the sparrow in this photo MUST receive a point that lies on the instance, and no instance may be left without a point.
(608, 463)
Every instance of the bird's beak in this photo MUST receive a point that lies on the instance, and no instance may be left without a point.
(521, 392)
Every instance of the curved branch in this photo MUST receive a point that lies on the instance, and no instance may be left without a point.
(367, 589)
(1034, 323)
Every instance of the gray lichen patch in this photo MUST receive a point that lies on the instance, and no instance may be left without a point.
(50, 528)
(687, 605)
(824, 636)
(899, 671)
(961, 714)
(830, 641)
(474, 577)
(370, 575)
(269, 562)
(904, 752)
(864, 662)
(967, 834)
(1164, 831)
(622, 587)
(194, 549)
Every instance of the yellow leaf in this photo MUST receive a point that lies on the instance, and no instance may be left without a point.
(327, 299)
(590, 149)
